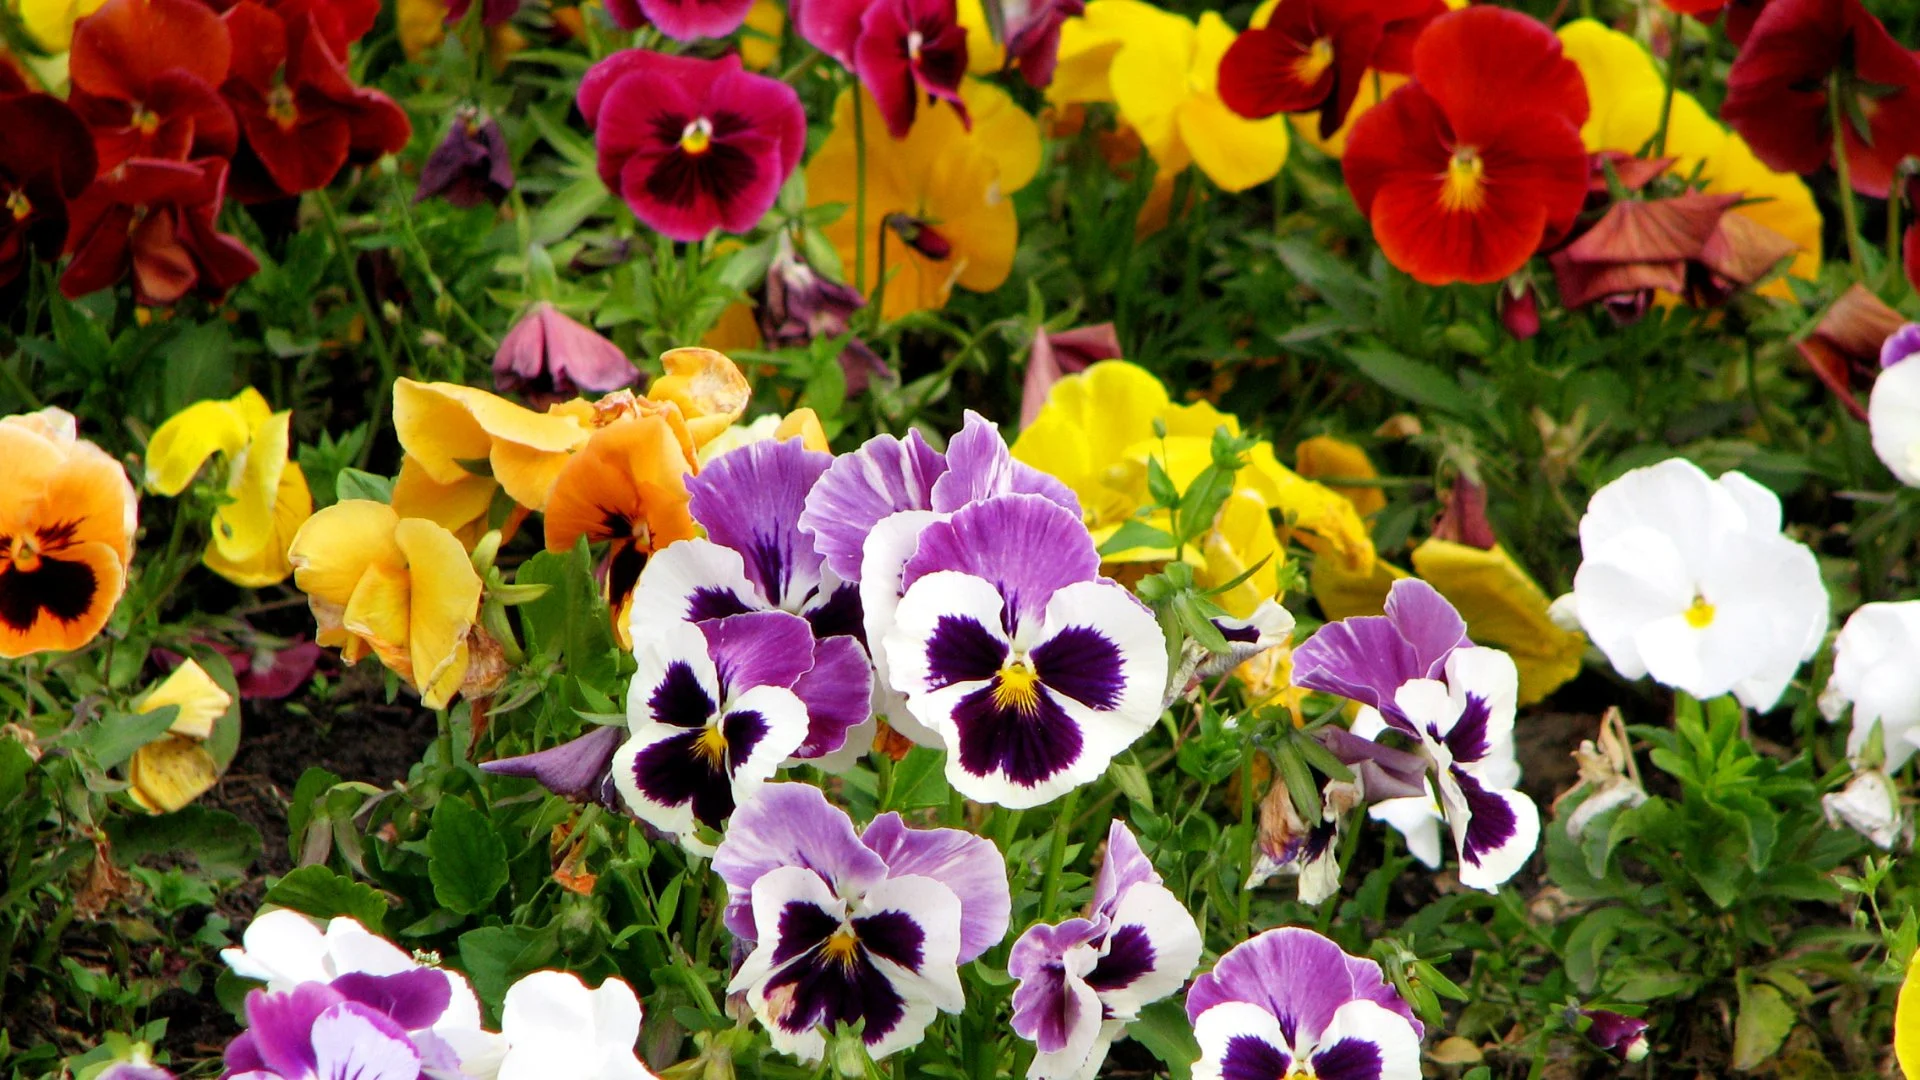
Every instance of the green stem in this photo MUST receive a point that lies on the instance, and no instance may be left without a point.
(1673, 81)
(375, 334)
(1057, 853)
(1247, 750)
(1850, 213)
(859, 190)
(439, 287)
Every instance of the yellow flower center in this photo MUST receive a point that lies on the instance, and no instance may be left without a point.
(1018, 688)
(19, 205)
(1466, 187)
(145, 120)
(842, 947)
(1319, 58)
(711, 746)
(698, 136)
(280, 106)
(1700, 613)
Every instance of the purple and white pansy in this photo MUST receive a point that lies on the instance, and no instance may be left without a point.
(358, 1027)
(1083, 980)
(1033, 670)
(1289, 1003)
(854, 928)
(1420, 677)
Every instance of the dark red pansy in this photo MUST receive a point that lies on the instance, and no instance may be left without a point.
(492, 12)
(1741, 15)
(1403, 21)
(1636, 248)
(1778, 87)
(155, 220)
(692, 145)
(46, 161)
(1844, 348)
(1312, 54)
(1465, 171)
(146, 77)
(1033, 36)
(339, 22)
(303, 117)
(1910, 255)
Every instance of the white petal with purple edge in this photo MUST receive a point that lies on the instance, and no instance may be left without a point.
(692, 580)
(971, 866)
(888, 547)
(791, 825)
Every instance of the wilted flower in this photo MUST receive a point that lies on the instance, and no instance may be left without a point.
(1031, 32)
(267, 496)
(67, 519)
(155, 220)
(551, 1023)
(1876, 671)
(1289, 1000)
(146, 78)
(549, 356)
(1083, 980)
(1054, 356)
(1465, 171)
(470, 166)
(176, 769)
(400, 588)
(1847, 341)
(850, 928)
(1893, 408)
(46, 162)
(801, 306)
(692, 145)
(1868, 805)
(1608, 777)
(1625, 1037)
(447, 430)
(1690, 580)
(580, 769)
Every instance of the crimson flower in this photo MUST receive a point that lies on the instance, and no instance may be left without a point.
(1033, 36)
(492, 12)
(692, 145)
(691, 20)
(897, 47)
(1312, 54)
(155, 218)
(1466, 170)
(46, 161)
(303, 117)
(1797, 52)
(146, 78)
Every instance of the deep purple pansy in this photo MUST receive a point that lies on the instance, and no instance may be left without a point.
(1625, 1037)
(1083, 980)
(854, 928)
(1289, 1002)
(471, 165)
(692, 145)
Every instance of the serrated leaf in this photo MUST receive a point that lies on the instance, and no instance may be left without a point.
(320, 892)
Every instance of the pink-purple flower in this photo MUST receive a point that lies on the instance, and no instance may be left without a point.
(549, 356)
(692, 145)
(854, 928)
(1083, 980)
(899, 49)
(1289, 1002)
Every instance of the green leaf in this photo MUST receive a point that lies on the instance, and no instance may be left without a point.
(1764, 1021)
(321, 893)
(466, 859)
(1420, 383)
(1136, 534)
(920, 781)
(114, 737)
(494, 956)
(569, 622)
(1163, 1029)
(221, 843)
(355, 484)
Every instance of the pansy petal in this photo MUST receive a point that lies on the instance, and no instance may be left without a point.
(759, 648)
(695, 580)
(1152, 947)
(790, 825)
(885, 476)
(1297, 973)
(970, 866)
(1367, 1042)
(751, 500)
(979, 466)
(838, 694)
(1026, 546)
(189, 437)
(1239, 1041)
(445, 602)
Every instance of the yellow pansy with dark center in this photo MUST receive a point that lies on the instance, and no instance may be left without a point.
(1465, 189)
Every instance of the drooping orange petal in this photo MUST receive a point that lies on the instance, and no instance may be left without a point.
(629, 482)
(460, 507)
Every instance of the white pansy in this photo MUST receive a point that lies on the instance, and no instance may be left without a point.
(1690, 580)
(1893, 414)
(1876, 669)
(554, 1026)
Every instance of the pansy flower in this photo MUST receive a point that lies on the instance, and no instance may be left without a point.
(1799, 53)
(847, 927)
(67, 519)
(550, 356)
(898, 48)
(713, 712)
(692, 145)
(1848, 350)
(1893, 407)
(472, 165)
(400, 588)
(1291, 1003)
(1312, 55)
(267, 496)
(155, 220)
(462, 436)
(939, 204)
(1465, 171)
(1029, 39)
(1083, 980)
(550, 1022)
(317, 1031)
(1876, 673)
(45, 163)
(1690, 580)
(1032, 669)
(146, 78)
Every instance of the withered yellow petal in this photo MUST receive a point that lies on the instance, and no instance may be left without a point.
(706, 385)
(1344, 593)
(460, 507)
(1324, 455)
(169, 773)
(450, 428)
(1331, 526)
(200, 699)
(244, 526)
(445, 603)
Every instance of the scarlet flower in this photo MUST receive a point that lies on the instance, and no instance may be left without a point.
(1312, 55)
(1699, 9)
(146, 78)
(1777, 91)
(46, 160)
(692, 145)
(155, 218)
(1467, 169)
(897, 47)
(304, 119)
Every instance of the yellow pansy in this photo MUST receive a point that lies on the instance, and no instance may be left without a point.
(1096, 435)
(938, 200)
(802, 424)
(175, 769)
(400, 588)
(1627, 92)
(50, 22)
(1324, 455)
(463, 507)
(985, 56)
(267, 496)
(454, 432)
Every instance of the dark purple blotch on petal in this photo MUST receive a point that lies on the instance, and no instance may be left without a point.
(1468, 739)
(829, 988)
(1251, 1058)
(1130, 954)
(679, 699)
(961, 650)
(1025, 746)
(1348, 1059)
(1083, 664)
(1490, 823)
(838, 614)
(676, 771)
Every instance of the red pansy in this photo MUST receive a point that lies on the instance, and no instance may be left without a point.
(155, 218)
(303, 117)
(692, 145)
(1778, 87)
(146, 77)
(1699, 9)
(1468, 169)
(46, 160)
(1312, 54)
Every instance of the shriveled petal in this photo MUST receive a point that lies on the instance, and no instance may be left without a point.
(444, 602)
(201, 701)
